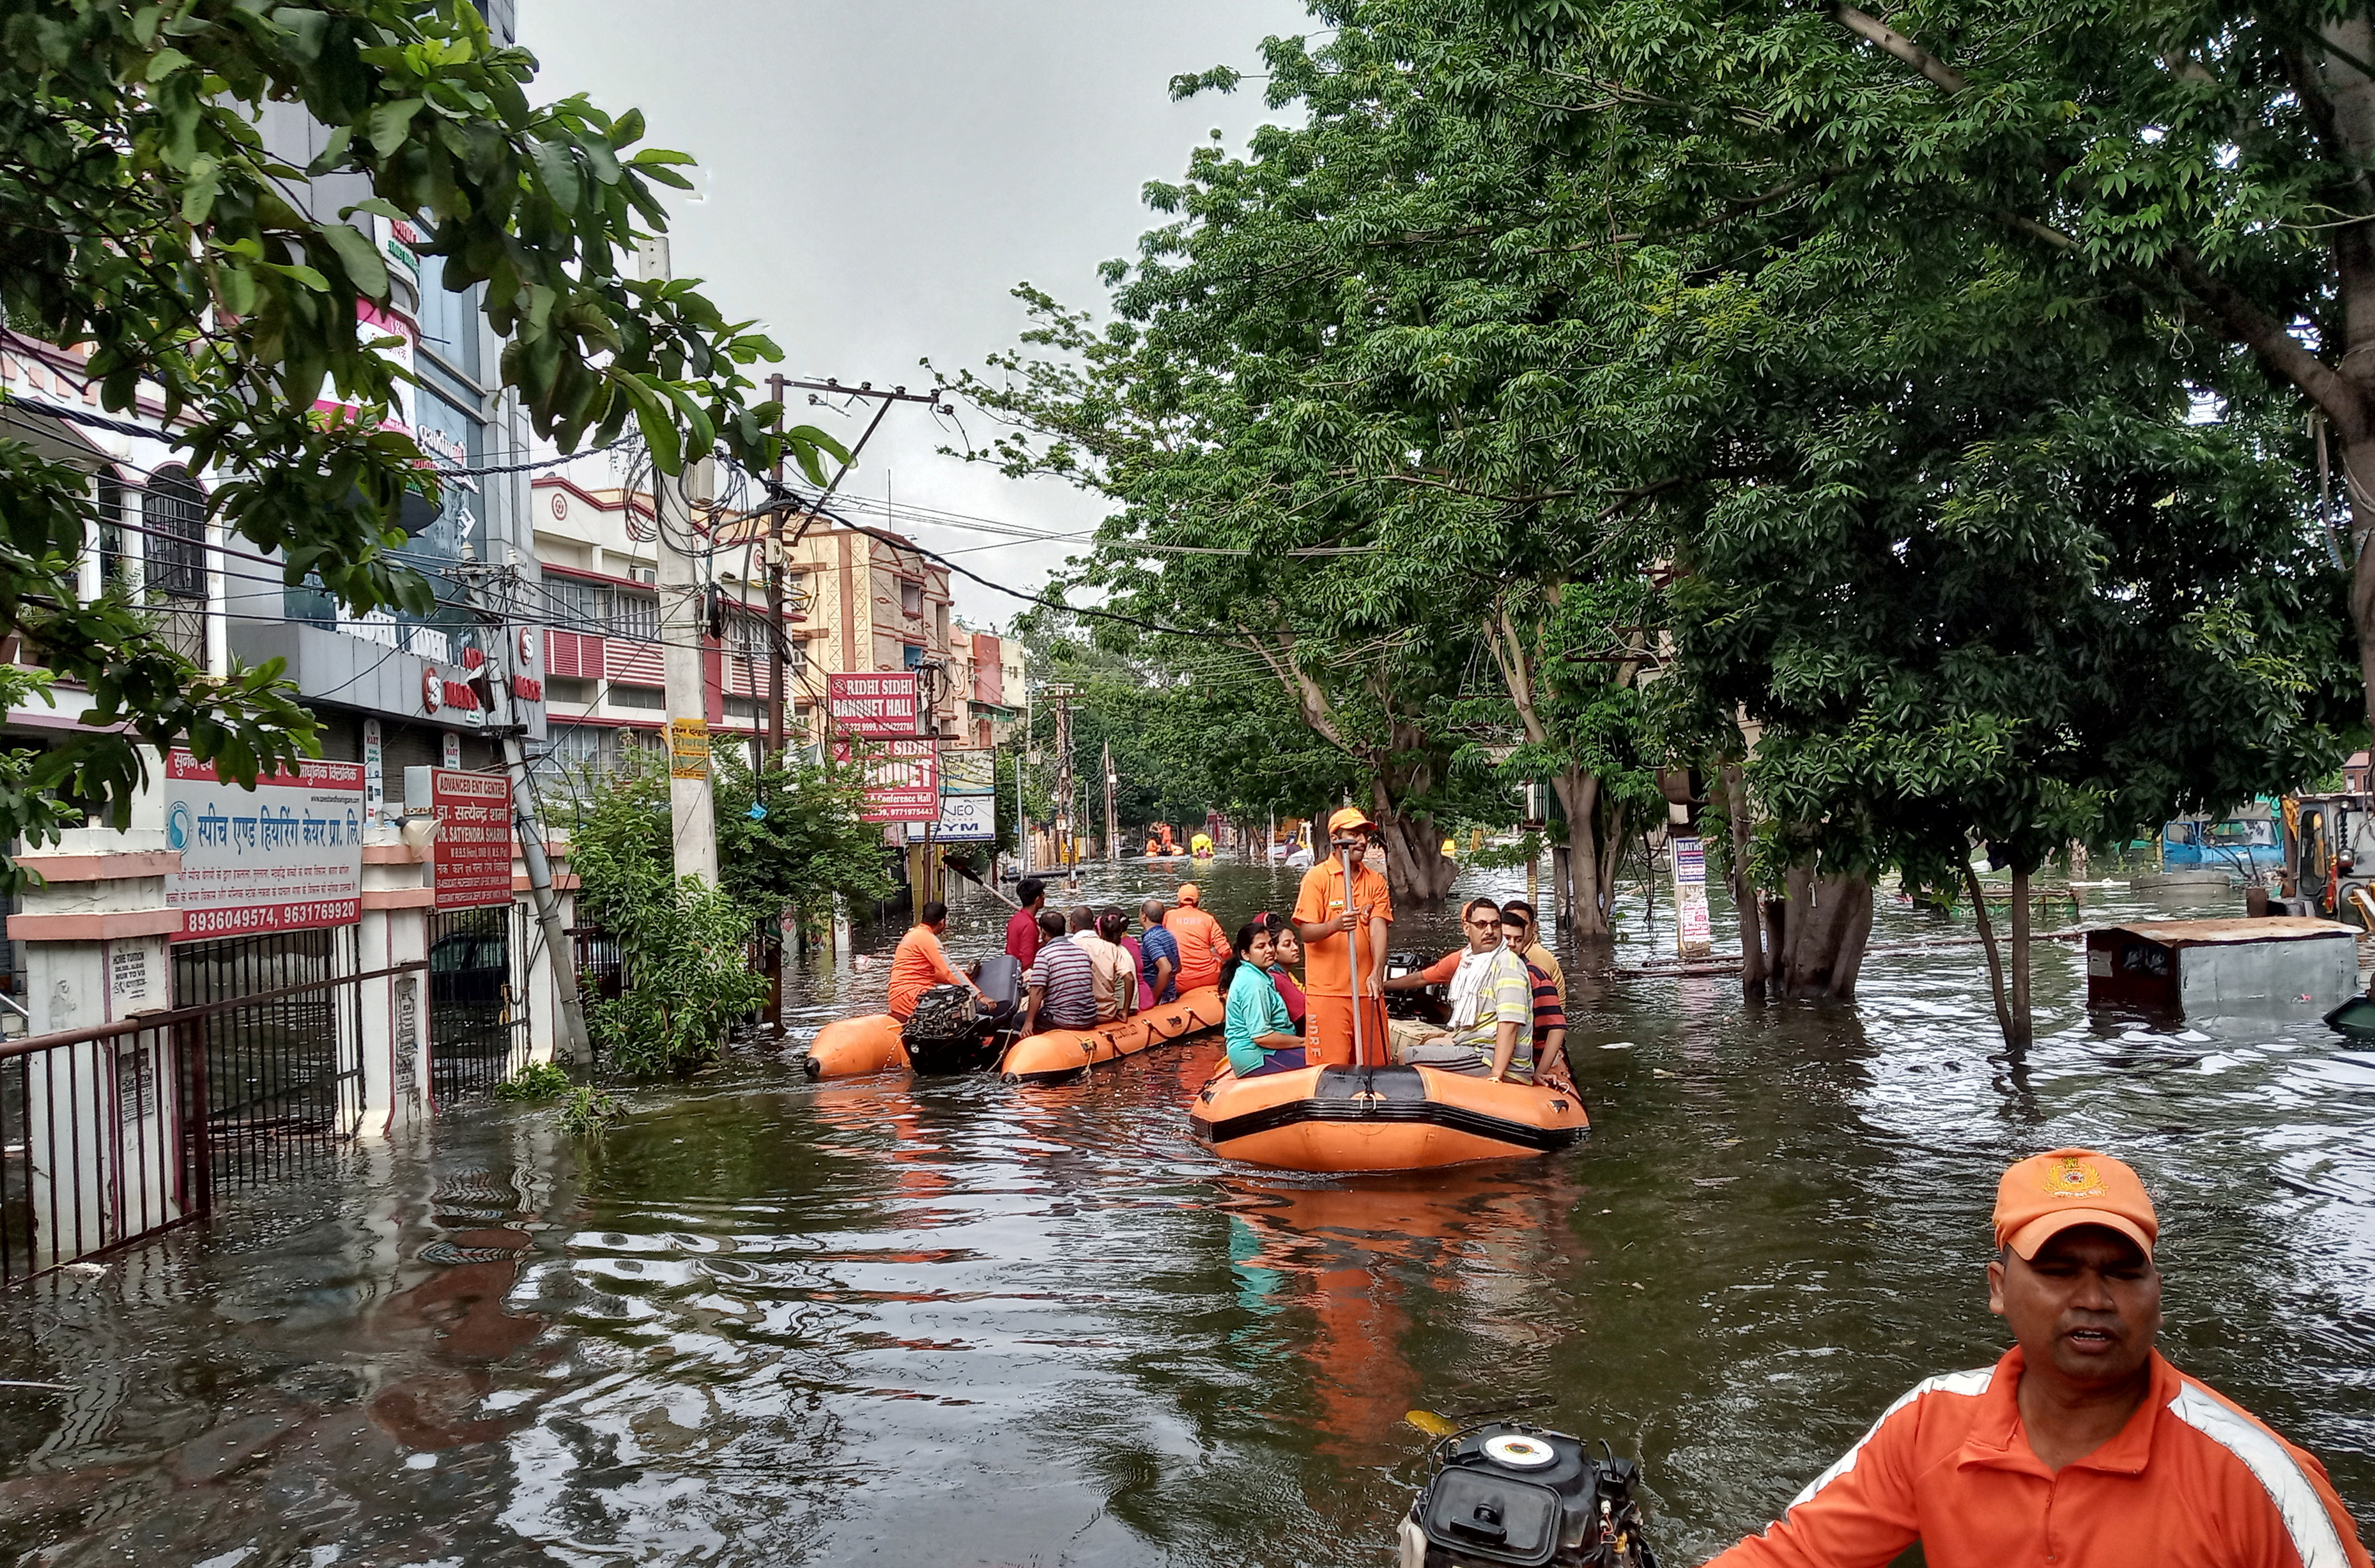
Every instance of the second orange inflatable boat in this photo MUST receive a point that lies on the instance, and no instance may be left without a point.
(851, 1047)
(1345, 1119)
(1060, 1053)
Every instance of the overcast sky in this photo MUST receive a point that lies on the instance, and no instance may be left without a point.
(877, 177)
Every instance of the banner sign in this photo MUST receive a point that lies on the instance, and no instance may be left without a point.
(965, 818)
(688, 749)
(877, 706)
(1690, 898)
(472, 857)
(286, 856)
(968, 772)
(903, 780)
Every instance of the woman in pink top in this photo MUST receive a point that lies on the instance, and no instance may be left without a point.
(1287, 952)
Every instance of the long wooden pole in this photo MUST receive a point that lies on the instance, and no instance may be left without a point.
(1360, 1041)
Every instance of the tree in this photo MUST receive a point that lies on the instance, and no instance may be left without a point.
(683, 944)
(2206, 165)
(144, 226)
(793, 836)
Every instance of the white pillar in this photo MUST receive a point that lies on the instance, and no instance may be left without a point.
(396, 899)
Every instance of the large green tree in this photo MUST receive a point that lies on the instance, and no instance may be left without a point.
(144, 227)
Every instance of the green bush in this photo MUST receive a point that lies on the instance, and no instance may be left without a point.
(537, 1080)
(588, 1111)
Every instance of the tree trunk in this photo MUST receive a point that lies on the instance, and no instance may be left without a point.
(1987, 946)
(1829, 924)
(2022, 1026)
(1754, 967)
(1613, 845)
(1578, 794)
(1416, 873)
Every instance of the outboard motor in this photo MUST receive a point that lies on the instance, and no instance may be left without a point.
(1428, 1003)
(1512, 1496)
(1000, 979)
(948, 1033)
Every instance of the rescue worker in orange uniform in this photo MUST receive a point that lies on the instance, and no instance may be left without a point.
(2081, 1447)
(1202, 944)
(1329, 922)
(918, 965)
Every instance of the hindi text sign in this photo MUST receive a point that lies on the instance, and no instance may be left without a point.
(285, 855)
(472, 857)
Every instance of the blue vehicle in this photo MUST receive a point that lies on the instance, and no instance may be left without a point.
(2247, 846)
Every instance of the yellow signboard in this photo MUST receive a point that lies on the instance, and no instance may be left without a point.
(688, 749)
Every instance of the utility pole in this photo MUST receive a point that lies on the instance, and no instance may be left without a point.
(692, 809)
(576, 1044)
(1112, 824)
(1065, 854)
(1022, 759)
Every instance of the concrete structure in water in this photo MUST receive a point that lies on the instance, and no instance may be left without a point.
(2205, 967)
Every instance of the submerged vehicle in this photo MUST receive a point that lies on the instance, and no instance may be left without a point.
(1381, 1118)
(1505, 1494)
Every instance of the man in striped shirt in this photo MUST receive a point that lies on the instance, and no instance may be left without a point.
(2081, 1447)
(1061, 982)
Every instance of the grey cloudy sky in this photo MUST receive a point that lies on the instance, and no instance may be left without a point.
(877, 176)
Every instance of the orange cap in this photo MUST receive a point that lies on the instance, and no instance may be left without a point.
(1190, 893)
(1351, 816)
(2047, 1193)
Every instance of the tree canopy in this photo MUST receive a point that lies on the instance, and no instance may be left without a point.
(146, 227)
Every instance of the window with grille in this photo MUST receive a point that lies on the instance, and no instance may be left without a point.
(118, 561)
(634, 615)
(174, 512)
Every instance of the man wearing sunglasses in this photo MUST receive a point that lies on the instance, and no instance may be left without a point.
(1491, 1006)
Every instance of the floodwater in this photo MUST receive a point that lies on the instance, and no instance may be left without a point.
(961, 1323)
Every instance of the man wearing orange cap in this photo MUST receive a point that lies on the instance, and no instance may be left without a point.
(1327, 917)
(2081, 1447)
(1202, 944)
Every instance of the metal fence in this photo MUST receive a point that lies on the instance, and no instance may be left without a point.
(282, 1068)
(113, 1133)
(478, 1004)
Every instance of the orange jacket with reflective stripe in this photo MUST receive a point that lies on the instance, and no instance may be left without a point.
(2192, 1481)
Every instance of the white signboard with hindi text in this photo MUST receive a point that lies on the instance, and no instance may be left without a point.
(1691, 933)
(285, 855)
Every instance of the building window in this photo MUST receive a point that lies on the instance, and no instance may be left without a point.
(741, 708)
(746, 637)
(911, 597)
(650, 697)
(118, 562)
(567, 688)
(912, 653)
(604, 608)
(174, 512)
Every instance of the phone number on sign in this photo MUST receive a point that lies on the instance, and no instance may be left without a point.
(270, 917)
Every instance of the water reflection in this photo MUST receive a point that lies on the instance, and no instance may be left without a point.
(766, 1321)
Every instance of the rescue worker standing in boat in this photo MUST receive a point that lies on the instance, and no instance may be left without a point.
(2081, 1447)
(1330, 918)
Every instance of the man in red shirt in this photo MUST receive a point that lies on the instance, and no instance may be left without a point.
(1023, 927)
(2081, 1447)
(1330, 920)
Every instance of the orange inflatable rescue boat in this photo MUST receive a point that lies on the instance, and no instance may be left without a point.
(1060, 1053)
(1345, 1119)
(851, 1047)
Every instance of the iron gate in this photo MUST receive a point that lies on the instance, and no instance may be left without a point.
(477, 1011)
(280, 1076)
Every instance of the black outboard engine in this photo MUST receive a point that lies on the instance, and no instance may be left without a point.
(1428, 1003)
(1512, 1496)
(948, 1033)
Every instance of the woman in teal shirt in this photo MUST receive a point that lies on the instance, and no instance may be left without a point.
(1261, 1036)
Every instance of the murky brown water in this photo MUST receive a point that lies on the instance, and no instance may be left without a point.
(961, 1322)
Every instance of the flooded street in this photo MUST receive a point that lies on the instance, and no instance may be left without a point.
(959, 1322)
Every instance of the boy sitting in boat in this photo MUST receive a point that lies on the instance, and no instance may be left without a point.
(1492, 1029)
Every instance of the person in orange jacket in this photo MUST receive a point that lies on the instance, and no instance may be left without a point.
(1330, 920)
(2081, 1447)
(1202, 944)
(918, 965)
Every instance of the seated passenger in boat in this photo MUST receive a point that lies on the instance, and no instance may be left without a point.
(1261, 1037)
(1061, 985)
(1491, 1006)
(1116, 973)
(918, 964)
(1158, 954)
(1287, 952)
